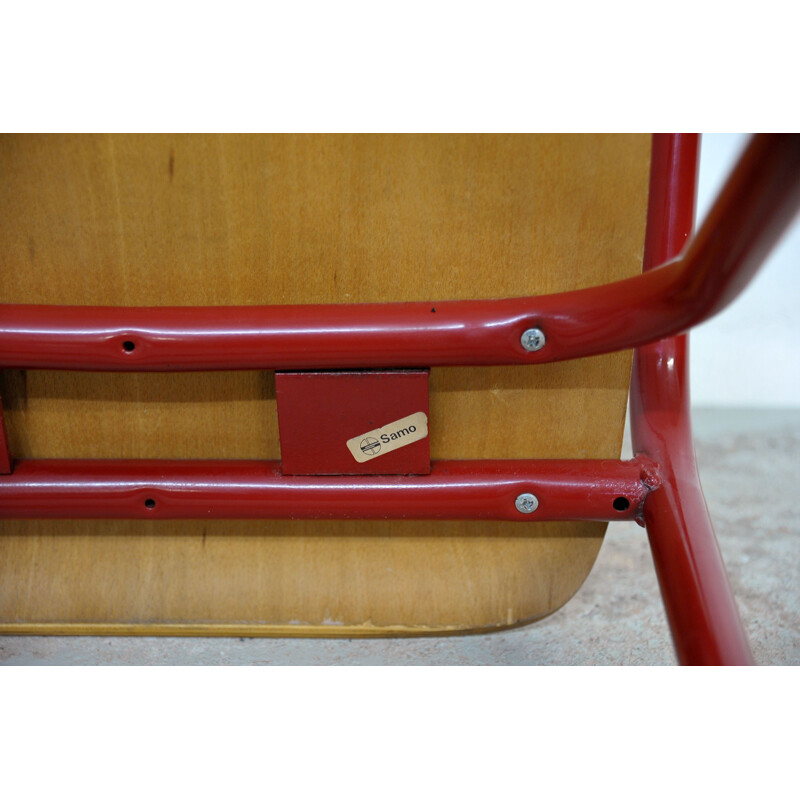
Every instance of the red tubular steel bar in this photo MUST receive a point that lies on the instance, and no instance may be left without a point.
(155, 489)
(755, 207)
(703, 617)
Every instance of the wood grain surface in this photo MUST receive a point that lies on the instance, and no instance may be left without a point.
(219, 220)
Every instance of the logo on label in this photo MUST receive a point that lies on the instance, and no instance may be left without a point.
(370, 446)
(390, 437)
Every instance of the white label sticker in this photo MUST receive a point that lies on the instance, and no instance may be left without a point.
(390, 437)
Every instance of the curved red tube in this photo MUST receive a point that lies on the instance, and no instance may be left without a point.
(756, 205)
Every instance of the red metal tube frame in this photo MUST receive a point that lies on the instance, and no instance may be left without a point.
(756, 205)
(751, 213)
(157, 489)
(702, 613)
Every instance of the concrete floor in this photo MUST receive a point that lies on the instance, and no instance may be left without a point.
(750, 467)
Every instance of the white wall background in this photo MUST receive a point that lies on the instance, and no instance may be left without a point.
(749, 355)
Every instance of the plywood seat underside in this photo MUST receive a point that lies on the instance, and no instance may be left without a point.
(247, 220)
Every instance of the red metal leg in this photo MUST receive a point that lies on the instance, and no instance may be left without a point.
(703, 617)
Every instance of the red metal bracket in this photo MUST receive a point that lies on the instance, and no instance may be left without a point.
(321, 413)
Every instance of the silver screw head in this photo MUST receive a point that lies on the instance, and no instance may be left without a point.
(527, 503)
(533, 339)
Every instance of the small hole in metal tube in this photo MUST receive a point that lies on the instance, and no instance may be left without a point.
(150, 503)
(621, 504)
(128, 346)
